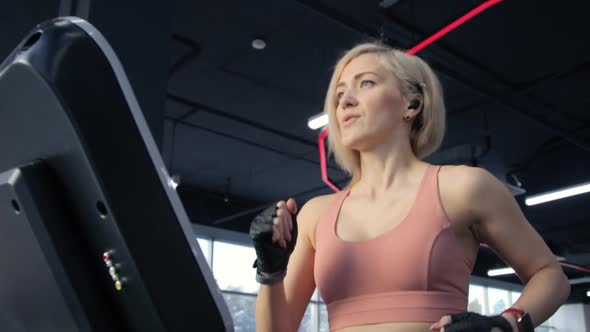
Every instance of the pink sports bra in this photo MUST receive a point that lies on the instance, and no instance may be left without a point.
(414, 272)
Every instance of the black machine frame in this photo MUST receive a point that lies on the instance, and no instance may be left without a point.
(92, 231)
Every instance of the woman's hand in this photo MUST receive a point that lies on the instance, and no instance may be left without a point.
(472, 322)
(283, 222)
(274, 233)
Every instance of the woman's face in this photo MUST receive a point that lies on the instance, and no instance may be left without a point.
(370, 106)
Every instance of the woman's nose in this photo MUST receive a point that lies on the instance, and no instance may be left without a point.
(347, 100)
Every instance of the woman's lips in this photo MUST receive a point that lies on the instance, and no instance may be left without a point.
(349, 120)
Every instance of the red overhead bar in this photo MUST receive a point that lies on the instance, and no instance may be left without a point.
(458, 22)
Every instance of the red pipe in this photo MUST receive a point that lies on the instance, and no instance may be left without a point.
(575, 267)
(458, 22)
(323, 167)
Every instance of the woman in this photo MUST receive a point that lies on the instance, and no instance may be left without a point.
(393, 251)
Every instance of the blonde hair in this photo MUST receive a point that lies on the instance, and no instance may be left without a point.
(414, 76)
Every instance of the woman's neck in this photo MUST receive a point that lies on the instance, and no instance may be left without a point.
(383, 172)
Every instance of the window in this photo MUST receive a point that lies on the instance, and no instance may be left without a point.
(324, 325)
(232, 267)
(476, 299)
(308, 322)
(497, 300)
(242, 309)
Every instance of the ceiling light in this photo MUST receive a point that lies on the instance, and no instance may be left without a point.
(588, 294)
(318, 121)
(578, 281)
(558, 194)
(174, 181)
(500, 272)
(258, 44)
(387, 3)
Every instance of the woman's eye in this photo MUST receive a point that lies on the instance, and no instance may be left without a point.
(365, 82)
(339, 95)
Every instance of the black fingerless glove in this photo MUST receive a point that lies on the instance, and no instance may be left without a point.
(474, 322)
(271, 257)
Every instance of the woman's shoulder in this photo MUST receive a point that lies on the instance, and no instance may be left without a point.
(311, 212)
(463, 178)
(314, 208)
(458, 186)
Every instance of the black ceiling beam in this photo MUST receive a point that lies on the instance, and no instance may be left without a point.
(239, 119)
(508, 100)
(242, 140)
(548, 145)
(533, 84)
(443, 60)
(199, 107)
(239, 139)
(260, 207)
(184, 60)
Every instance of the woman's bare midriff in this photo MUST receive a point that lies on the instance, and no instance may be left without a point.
(389, 327)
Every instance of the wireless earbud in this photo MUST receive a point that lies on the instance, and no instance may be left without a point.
(414, 104)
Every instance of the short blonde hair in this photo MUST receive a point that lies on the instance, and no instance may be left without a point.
(414, 76)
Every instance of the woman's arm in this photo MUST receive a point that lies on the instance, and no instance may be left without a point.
(281, 306)
(502, 225)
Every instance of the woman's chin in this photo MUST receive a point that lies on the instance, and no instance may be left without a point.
(355, 144)
(349, 142)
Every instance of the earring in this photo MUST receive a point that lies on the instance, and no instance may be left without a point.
(407, 118)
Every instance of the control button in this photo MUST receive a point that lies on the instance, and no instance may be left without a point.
(107, 255)
(113, 273)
